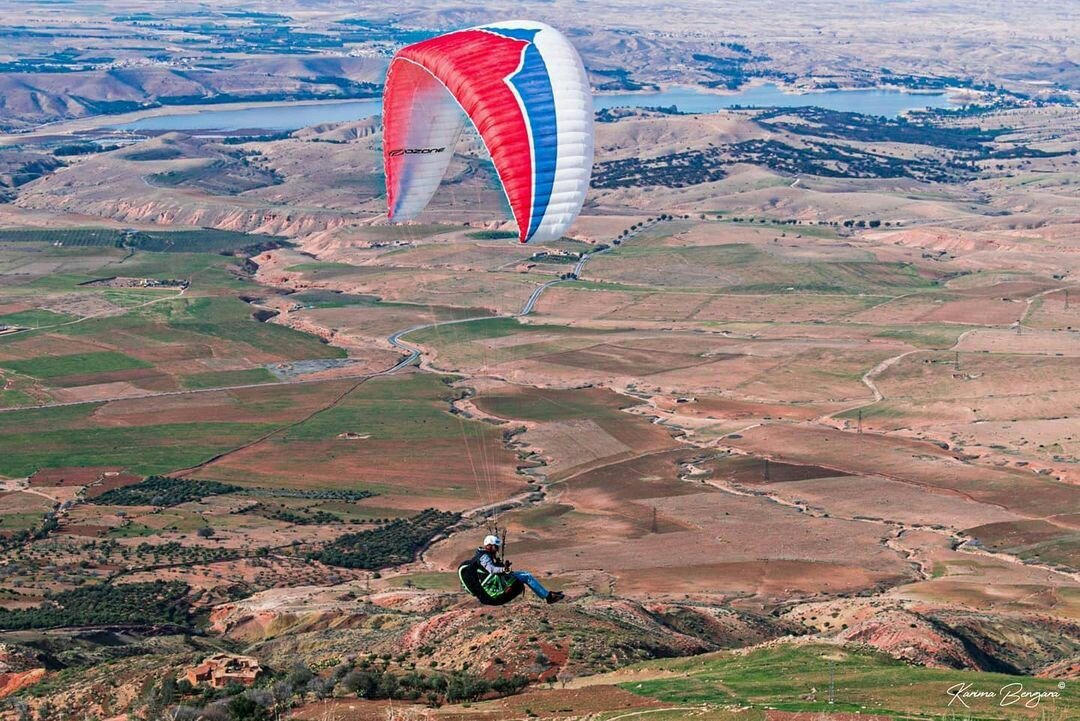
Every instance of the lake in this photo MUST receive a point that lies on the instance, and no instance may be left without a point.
(290, 116)
(889, 103)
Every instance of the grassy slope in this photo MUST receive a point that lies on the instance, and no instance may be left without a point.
(409, 408)
(143, 449)
(782, 677)
(218, 379)
(64, 365)
(34, 318)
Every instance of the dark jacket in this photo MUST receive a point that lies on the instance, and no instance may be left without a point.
(487, 563)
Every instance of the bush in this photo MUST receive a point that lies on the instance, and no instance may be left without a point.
(321, 687)
(215, 712)
(298, 676)
(363, 683)
(245, 708)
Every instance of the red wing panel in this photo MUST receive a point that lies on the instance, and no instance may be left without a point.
(473, 65)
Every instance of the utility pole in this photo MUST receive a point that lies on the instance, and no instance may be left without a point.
(860, 420)
(1066, 299)
(765, 470)
(832, 681)
(654, 528)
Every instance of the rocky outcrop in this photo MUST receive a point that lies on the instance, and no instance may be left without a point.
(911, 638)
(1028, 645)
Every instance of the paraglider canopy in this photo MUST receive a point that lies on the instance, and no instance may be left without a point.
(524, 88)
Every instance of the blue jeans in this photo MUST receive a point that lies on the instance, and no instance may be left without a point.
(529, 580)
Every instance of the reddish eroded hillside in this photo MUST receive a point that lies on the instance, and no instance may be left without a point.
(18, 670)
(911, 638)
(14, 681)
(586, 635)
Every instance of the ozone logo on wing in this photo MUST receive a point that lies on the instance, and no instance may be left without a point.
(414, 151)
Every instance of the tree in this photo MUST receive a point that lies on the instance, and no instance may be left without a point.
(320, 687)
(161, 697)
(298, 676)
(363, 683)
(282, 692)
(244, 708)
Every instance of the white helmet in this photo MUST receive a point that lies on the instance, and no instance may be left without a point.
(492, 541)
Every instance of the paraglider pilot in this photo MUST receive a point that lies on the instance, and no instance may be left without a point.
(487, 558)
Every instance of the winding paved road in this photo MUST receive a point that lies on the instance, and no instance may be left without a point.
(578, 268)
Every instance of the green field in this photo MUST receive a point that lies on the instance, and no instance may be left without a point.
(601, 285)
(460, 345)
(320, 266)
(13, 398)
(492, 234)
(206, 320)
(924, 335)
(744, 268)
(222, 379)
(548, 404)
(144, 450)
(132, 530)
(77, 237)
(34, 438)
(873, 411)
(797, 678)
(201, 240)
(409, 232)
(13, 522)
(316, 269)
(478, 330)
(208, 272)
(32, 420)
(317, 298)
(35, 318)
(132, 297)
(409, 408)
(74, 364)
(427, 581)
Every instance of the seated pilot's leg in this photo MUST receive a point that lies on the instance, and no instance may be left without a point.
(529, 580)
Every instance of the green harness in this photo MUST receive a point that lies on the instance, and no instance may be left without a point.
(491, 589)
(494, 585)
